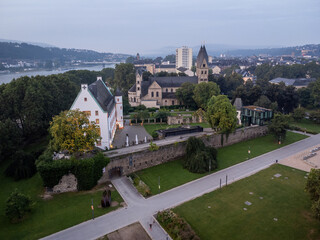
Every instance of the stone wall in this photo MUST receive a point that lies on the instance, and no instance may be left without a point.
(183, 119)
(68, 183)
(136, 161)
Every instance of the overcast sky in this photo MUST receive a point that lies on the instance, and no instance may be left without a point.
(146, 26)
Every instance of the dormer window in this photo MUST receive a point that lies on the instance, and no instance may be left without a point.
(204, 65)
(85, 99)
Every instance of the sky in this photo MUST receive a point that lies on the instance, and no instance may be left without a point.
(150, 26)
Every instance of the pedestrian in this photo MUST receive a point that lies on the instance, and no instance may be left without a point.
(277, 161)
(150, 226)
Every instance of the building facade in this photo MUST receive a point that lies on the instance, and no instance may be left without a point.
(253, 115)
(184, 57)
(102, 108)
(160, 91)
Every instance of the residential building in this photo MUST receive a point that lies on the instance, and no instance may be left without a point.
(160, 91)
(102, 108)
(297, 82)
(184, 57)
(254, 115)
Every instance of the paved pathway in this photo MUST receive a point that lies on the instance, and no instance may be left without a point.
(140, 209)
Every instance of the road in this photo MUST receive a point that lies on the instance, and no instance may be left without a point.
(140, 209)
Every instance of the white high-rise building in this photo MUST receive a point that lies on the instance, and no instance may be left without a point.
(184, 57)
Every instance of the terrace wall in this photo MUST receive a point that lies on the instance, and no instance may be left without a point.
(129, 163)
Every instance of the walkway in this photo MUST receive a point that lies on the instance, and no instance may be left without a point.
(141, 210)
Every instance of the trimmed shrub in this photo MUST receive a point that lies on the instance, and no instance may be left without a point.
(87, 171)
(17, 206)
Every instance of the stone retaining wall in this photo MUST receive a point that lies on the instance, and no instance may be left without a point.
(136, 161)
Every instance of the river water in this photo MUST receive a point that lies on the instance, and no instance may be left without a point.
(6, 78)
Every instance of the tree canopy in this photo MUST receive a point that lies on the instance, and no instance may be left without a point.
(203, 92)
(72, 131)
(313, 188)
(221, 115)
(278, 126)
(185, 95)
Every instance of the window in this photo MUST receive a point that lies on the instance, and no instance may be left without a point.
(165, 101)
(204, 65)
(201, 72)
(99, 143)
(157, 94)
(152, 94)
(167, 90)
(134, 99)
(138, 88)
(117, 99)
(99, 131)
(85, 99)
(172, 102)
(87, 112)
(120, 107)
(97, 121)
(121, 117)
(138, 82)
(205, 72)
(171, 89)
(97, 113)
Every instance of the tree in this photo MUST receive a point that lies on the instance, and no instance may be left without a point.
(263, 101)
(130, 59)
(194, 69)
(315, 92)
(17, 206)
(203, 92)
(315, 116)
(313, 188)
(146, 75)
(199, 158)
(171, 58)
(299, 114)
(10, 139)
(185, 95)
(221, 115)
(142, 115)
(72, 131)
(124, 77)
(278, 126)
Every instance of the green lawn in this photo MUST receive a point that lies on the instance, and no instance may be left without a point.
(307, 124)
(220, 214)
(172, 174)
(48, 216)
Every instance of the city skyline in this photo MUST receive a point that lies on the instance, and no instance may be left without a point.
(150, 27)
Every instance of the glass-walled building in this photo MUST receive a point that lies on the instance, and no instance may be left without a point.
(254, 115)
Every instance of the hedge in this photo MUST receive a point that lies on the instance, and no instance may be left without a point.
(87, 171)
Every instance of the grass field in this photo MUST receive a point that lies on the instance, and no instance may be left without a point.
(308, 125)
(283, 213)
(48, 216)
(172, 174)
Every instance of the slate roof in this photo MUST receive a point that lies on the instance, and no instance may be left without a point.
(173, 81)
(257, 109)
(144, 87)
(165, 66)
(170, 95)
(202, 55)
(103, 96)
(118, 92)
(293, 82)
(133, 88)
(238, 104)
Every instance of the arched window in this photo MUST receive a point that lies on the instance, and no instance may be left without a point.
(166, 89)
(157, 94)
(205, 72)
(172, 102)
(152, 94)
(138, 88)
(171, 89)
(134, 99)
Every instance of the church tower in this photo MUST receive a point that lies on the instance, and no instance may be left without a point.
(202, 65)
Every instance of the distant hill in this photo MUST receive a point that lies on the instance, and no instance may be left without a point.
(13, 50)
(310, 49)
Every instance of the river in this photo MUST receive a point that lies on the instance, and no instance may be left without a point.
(6, 78)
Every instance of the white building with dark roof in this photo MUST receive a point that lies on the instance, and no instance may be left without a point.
(296, 82)
(160, 91)
(103, 108)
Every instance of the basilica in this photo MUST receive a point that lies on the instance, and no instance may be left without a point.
(160, 91)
